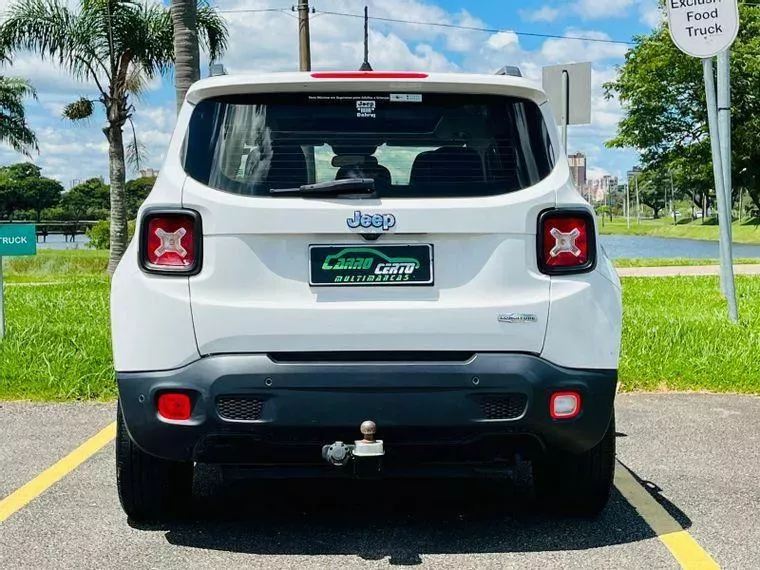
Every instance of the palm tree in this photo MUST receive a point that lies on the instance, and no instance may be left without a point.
(116, 44)
(13, 128)
(191, 19)
(187, 66)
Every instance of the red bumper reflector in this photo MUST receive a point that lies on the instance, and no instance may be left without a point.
(564, 405)
(173, 406)
(369, 75)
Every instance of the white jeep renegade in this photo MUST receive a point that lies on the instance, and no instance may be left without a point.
(365, 274)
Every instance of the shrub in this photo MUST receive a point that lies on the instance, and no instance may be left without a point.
(100, 234)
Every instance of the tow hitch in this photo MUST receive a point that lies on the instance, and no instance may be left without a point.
(366, 454)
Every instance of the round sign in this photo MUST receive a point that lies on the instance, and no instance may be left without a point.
(703, 28)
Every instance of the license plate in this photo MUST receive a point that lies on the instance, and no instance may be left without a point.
(377, 265)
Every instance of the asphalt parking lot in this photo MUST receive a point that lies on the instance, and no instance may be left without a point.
(687, 495)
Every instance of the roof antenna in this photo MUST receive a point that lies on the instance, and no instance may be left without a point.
(365, 65)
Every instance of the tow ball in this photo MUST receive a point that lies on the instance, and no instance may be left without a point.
(365, 454)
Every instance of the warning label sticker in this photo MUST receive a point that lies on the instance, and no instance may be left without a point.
(406, 97)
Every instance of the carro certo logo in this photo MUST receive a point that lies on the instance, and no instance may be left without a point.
(378, 221)
(367, 265)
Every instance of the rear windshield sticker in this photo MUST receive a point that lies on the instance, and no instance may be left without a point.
(366, 109)
(406, 97)
(348, 97)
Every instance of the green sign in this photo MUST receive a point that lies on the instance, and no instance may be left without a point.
(18, 239)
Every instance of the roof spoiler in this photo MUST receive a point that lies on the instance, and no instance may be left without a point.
(512, 70)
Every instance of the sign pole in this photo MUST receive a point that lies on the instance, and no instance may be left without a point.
(724, 127)
(703, 30)
(15, 239)
(727, 273)
(2, 302)
(565, 107)
(724, 133)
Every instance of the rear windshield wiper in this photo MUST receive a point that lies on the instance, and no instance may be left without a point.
(362, 186)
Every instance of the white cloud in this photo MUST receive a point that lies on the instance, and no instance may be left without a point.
(543, 14)
(568, 50)
(601, 9)
(596, 172)
(502, 40)
(650, 13)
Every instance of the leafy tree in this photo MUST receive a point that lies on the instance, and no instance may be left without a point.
(22, 187)
(13, 127)
(654, 189)
(86, 199)
(116, 44)
(9, 201)
(136, 192)
(41, 193)
(662, 94)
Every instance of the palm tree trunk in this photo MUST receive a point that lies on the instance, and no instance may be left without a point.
(187, 66)
(118, 211)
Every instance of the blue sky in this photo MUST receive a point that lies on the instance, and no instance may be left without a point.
(268, 41)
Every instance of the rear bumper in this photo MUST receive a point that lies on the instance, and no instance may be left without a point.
(479, 409)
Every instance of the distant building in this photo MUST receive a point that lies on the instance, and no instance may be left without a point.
(148, 173)
(633, 173)
(578, 169)
(597, 189)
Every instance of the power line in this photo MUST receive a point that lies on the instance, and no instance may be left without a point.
(439, 25)
(252, 10)
(477, 29)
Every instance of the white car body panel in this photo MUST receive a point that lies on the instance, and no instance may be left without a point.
(253, 295)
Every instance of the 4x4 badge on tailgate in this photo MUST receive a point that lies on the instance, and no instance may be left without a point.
(384, 221)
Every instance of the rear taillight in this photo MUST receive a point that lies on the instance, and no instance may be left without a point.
(174, 406)
(170, 242)
(566, 241)
(564, 405)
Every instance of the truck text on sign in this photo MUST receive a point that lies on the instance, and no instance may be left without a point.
(18, 239)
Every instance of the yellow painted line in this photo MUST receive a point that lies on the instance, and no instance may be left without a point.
(689, 554)
(42, 482)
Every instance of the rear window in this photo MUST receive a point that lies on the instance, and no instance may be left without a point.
(412, 144)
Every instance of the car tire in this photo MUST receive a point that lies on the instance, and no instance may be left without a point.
(577, 484)
(150, 489)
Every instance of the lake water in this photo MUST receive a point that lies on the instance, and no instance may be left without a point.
(622, 247)
(617, 247)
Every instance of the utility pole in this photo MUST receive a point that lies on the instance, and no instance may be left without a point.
(304, 40)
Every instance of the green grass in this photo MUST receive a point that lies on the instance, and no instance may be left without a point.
(55, 265)
(678, 261)
(677, 335)
(745, 232)
(57, 344)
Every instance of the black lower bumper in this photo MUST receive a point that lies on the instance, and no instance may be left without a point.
(253, 409)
